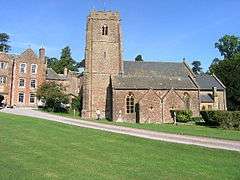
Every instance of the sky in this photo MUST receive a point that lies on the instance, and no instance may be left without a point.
(160, 30)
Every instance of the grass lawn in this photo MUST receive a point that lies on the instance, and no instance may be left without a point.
(194, 130)
(34, 149)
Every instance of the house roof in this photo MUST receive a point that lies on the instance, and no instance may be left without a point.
(52, 75)
(207, 82)
(148, 82)
(206, 98)
(155, 75)
(168, 69)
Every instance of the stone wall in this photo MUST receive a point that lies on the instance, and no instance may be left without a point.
(154, 105)
(102, 60)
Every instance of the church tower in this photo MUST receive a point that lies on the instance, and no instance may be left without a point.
(103, 60)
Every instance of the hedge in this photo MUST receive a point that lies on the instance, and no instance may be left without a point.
(223, 119)
(183, 115)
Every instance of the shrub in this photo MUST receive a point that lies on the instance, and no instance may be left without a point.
(197, 119)
(52, 94)
(183, 115)
(223, 119)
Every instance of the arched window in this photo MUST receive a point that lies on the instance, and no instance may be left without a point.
(105, 30)
(186, 98)
(130, 103)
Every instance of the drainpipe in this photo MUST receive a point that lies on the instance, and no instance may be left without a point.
(11, 85)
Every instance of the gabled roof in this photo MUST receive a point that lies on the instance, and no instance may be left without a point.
(29, 53)
(154, 75)
(207, 82)
(168, 69)
(148, 82)
(52, 75)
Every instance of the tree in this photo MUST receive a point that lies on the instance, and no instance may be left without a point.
(197, 69)
(76, 103)
(227, 70)
(53, 63)
(139, 58)
(81, 64)
(228, 45)
(66, 61)
(52, 94)
(4, 40)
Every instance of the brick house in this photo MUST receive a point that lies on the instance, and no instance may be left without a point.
(143, 92)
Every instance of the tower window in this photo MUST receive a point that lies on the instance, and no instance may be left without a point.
(130, 103)
(105, 30)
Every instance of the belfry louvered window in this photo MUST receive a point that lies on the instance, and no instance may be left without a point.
(105, 30)
(130, 103)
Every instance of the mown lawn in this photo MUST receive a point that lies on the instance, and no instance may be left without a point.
(35, 149)
(195, 130)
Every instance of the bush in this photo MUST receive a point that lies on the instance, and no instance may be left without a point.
(223, 119)
(183, 115)
(197, 119)
(53, 96)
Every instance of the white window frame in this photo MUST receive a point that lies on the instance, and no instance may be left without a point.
(25, 68)
(19, 97)
(20, 83)
(31, 97)
(35, 84)
(35, 68)
(3, 65)
(3, 80)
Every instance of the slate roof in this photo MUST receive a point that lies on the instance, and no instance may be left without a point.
(147, 82)
(207, 82)
(155, 75)
(207, 98)
(154, 68)
(52, 75)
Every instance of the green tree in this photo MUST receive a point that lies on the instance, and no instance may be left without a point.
(227, 70)
(66, 61)
(53, 63)
(52, 94)
(4, 40)
(228, 45)
(139, 58)
(197, 69)
(76, 103)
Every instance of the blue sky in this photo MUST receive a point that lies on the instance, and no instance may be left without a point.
(166, 30)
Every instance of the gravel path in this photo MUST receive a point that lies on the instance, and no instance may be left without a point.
(175, 138)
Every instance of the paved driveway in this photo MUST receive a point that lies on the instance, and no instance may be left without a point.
(183, 139)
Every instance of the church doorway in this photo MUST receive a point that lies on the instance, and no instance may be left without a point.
(137, 110)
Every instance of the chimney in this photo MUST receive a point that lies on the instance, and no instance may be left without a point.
(42, 53)
(65, 71)
(214, 89)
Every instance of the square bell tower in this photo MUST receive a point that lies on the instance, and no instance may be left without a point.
(103, 60)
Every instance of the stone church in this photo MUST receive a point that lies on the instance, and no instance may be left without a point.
(129, 91)
(139, 91)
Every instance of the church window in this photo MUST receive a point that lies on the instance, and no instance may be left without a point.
(104, 54)
(105, 30)
(130, 103)
(187, 100)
